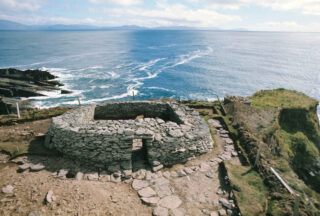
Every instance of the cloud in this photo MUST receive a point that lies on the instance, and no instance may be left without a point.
(169, 15)
(117, 2)
(47, 20)
(305, 6)
(289, 26)
(21, 5)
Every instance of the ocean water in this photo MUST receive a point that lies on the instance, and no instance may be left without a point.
(109, 65)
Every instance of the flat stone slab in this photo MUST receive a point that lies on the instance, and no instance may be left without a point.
(214, 123)
(176, 212)
(139, 184)
(188, 170)
(147, 192)
(160, 211)
(152, 201)
(160, 181)
(162, 190)
(24, 166)
(204, 167)
(228, 141)
(225, 203)
(170, 202)
(37, 167)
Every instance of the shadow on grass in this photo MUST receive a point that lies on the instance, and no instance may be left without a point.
(247, 172)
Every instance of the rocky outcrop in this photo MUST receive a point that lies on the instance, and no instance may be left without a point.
(17, 83)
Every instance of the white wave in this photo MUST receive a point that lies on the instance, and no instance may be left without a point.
(105, 86)
(41, 105)
(182, 60)
(130, 90)
(135, 82)
(150, 63)
(89, 68)
(55, 94)
(211, 99)
(192, 55)
(113, 74)
(61, 73)
(160, 88)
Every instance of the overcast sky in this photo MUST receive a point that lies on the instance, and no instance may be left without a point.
(264, 15)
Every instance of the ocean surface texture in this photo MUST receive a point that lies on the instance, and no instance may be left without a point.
(109, 65)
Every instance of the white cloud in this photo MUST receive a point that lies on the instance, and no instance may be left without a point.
(305, 6)
(289, 26)
(169, 15)
(20, 5)
(118, 2)
(40, 20)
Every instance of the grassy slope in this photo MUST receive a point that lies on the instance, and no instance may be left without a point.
(297, 133)
(297, 129)
(250, 192)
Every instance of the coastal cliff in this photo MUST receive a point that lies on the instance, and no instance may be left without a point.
(15, 84)
(282, 127)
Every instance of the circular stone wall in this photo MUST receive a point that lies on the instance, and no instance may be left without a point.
(102, 135)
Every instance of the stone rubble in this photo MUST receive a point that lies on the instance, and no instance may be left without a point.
(37, 167)
(50, 197)
(7, 189)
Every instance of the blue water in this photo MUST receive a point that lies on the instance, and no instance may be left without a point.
(108, 65)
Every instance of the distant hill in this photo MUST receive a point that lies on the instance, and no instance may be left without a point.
(8, 25)
(14, 26)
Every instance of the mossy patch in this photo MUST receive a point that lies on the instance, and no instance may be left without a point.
(248, 187)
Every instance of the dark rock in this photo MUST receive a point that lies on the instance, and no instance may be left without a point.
(17, 83)
(63, 91)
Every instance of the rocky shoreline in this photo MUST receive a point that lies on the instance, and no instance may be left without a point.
(16, 84)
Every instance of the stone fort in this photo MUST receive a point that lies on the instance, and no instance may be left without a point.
(110, 136)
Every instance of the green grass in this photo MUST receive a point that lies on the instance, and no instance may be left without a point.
(281, 98)
(33, 114)
(250, 192)
(296, 130)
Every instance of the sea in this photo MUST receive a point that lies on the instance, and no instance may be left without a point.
(100, 66)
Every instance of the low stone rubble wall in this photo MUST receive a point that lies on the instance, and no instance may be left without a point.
(107, 144)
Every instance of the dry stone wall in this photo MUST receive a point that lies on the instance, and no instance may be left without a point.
(102, 135)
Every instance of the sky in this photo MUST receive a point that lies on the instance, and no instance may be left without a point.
(256, 15)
